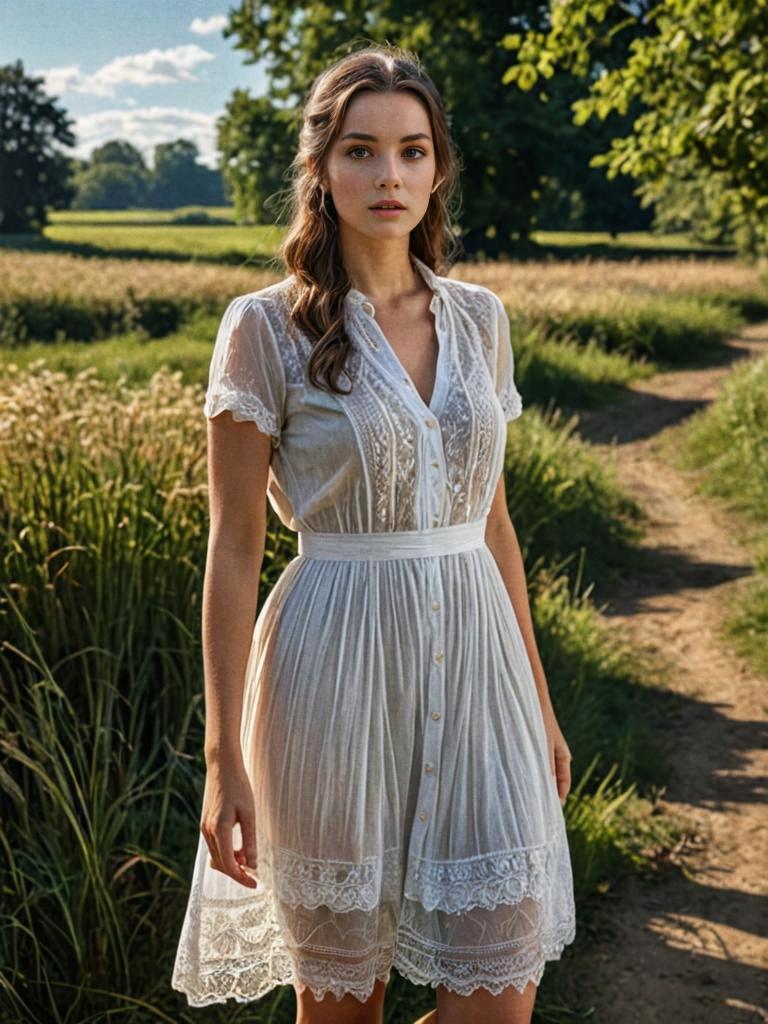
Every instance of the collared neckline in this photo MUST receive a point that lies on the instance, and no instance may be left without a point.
(357, 298)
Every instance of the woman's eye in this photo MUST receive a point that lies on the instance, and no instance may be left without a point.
(364, 149)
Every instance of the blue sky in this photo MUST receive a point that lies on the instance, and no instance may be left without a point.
(147, 71)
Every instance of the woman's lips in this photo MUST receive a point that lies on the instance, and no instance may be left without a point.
(388, 212)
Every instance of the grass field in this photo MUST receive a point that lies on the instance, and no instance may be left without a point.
(104, 529)
(146, 233)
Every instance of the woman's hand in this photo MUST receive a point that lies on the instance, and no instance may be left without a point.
(559, 755)
(228, 799)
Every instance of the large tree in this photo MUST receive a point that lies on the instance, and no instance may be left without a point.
(116, 178)
(34, 173)
(179, 180)
(699, 145)
(256, 141)
(511, 143)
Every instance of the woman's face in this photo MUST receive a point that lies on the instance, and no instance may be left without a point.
(384, 150)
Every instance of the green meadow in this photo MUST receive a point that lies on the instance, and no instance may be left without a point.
(106, 330)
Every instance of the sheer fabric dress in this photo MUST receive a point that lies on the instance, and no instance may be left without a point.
(406, 814)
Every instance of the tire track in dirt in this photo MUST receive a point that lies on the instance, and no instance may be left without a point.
(691, 949)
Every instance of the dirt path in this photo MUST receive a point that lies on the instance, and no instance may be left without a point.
(691, 950)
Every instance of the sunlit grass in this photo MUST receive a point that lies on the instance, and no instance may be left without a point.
(194, 241)
(676, 311)
(727, 443)
(625, 240)
(137, 215)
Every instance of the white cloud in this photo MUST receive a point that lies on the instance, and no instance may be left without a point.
(59, 80)
(145, 127)
(207, 26)
(155, 67)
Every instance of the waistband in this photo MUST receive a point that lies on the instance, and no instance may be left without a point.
(435, 540)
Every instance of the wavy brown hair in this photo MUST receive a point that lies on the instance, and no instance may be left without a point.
(310, 248)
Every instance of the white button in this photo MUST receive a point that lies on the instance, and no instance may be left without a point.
(435, 715)
(368, 307)
(428, 767)
(439, 656)
(435, 605)
(423, 815)
(430, 423)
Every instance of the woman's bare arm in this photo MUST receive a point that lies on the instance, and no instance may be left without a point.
(501, 538)
(238, 465)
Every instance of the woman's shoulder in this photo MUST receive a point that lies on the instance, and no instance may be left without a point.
(468, 291)
(478, 300)
(266, 309)
(480, 305)
(265, 316)
(275, 298)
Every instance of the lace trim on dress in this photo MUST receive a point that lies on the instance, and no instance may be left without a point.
(243, 958)
(359, 979)
(340, 885)
(244, 405)
(512, 403)
(501, 877)
(423, 966)
(505, 876)
(235, 948)
(230, 949)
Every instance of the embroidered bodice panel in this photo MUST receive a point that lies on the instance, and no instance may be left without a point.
(379, 458)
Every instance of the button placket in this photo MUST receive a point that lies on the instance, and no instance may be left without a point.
(437, 497)
(435, 694)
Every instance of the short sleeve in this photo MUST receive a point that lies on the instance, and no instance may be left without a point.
(246, 373)
(506, 390)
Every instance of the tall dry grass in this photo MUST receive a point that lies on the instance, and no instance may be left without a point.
(524, 286)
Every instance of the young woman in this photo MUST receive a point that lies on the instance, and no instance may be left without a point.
(385, 772)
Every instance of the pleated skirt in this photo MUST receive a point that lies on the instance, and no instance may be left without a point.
(406, 813)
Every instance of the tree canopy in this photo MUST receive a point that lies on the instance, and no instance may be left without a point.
(518, 155)
(34, 174)
(697, 74)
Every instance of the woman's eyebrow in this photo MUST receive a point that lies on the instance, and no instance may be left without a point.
(373, 138)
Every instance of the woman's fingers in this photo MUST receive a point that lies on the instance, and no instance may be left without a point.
(222, 856)
(213, 846)
(230, 864)
(248, 832)
(227, 805)
(563, 771)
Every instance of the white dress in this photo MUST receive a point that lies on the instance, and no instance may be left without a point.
(406, 814)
